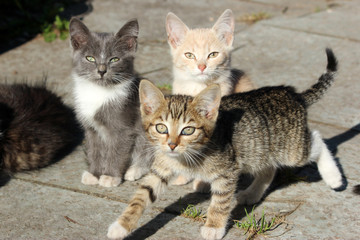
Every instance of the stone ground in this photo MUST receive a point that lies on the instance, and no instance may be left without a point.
(288, 48)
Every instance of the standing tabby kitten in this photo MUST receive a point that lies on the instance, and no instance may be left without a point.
(106, 103)
(36, 128)
(218, 139)
(202, 57)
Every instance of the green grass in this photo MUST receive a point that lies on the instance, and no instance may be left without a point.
(58, 29)
(165, 87)
(192, 212)
(25, 19)
(254, 226)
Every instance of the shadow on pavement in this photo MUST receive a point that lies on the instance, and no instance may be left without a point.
(22, 20)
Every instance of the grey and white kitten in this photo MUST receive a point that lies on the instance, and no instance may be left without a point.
(106, 103)
(217, 139)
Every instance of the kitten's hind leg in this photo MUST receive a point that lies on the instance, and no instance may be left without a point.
(141, 159)
(328, 169)
(135, 172)
(89, 179)
(255, 191)
(180, 180)
(201, 186)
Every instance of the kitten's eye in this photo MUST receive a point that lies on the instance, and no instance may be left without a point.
(90, 59)
(115, 59)
(190, 55)
(213, 55)
(188, 131)
(161, 128)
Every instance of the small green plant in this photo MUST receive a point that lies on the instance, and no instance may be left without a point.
(165, 87)
(318, 9)
(260, 226)
(192, 212)
(254, 17)
(59, 28)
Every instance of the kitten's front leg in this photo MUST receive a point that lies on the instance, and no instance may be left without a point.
(147, 193)
(220, 207)
(93, 157)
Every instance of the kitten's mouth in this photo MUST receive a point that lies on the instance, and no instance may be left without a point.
(202, 76)
(173, 154)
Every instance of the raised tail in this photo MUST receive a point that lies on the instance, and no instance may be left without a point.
(317, 90)
(356, 189)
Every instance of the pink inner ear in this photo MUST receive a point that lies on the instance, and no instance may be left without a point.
(131, 42)
(228, 38)
(147, 109)
(172, 41)
(77, 41)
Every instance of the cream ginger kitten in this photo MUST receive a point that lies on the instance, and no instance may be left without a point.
(202, 57)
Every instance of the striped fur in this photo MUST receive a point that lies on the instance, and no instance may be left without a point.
(254, 132)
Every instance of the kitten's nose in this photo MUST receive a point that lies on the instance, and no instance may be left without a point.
(172, 145)
(102, 70)
(201, 67)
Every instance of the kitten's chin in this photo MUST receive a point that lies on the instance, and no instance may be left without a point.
(202, 77)
(173, 154)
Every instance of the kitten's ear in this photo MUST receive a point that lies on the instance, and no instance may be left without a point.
(79, 33)
(175, 29)
(151, 98)
(207, 102)
(224, 27)
(129, 33)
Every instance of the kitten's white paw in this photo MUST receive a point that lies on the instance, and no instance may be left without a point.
(248, 197)
(116, 231)
(89, 179)
(180, 180)
(108, 181)
(209, 233)
(200, 186)
(335, 182)
(134, 173)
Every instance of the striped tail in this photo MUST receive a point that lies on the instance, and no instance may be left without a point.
(317, 90)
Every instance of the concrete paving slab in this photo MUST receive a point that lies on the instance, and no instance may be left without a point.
(313, 200)
(42, 212)
(287, 49)
(325, 21)
(273, 56)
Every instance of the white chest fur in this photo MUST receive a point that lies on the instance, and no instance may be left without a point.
(90, 97)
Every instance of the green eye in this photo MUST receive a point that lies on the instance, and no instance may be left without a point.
(161, 128)
(213, 55)
(188, 131)
(190, 55)
(115, 59)
(90, 59)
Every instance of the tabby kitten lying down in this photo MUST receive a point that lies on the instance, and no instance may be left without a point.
(218, 139)
(36, 128)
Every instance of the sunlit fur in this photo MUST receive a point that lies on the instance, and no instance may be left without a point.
(107, 104)
(201, 42)
(245, 133)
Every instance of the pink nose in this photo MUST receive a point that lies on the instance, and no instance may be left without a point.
(201, 67)
(172, 146)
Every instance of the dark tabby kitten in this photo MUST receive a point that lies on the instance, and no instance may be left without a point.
(254, 132)
(106, 103)
(36, 128)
